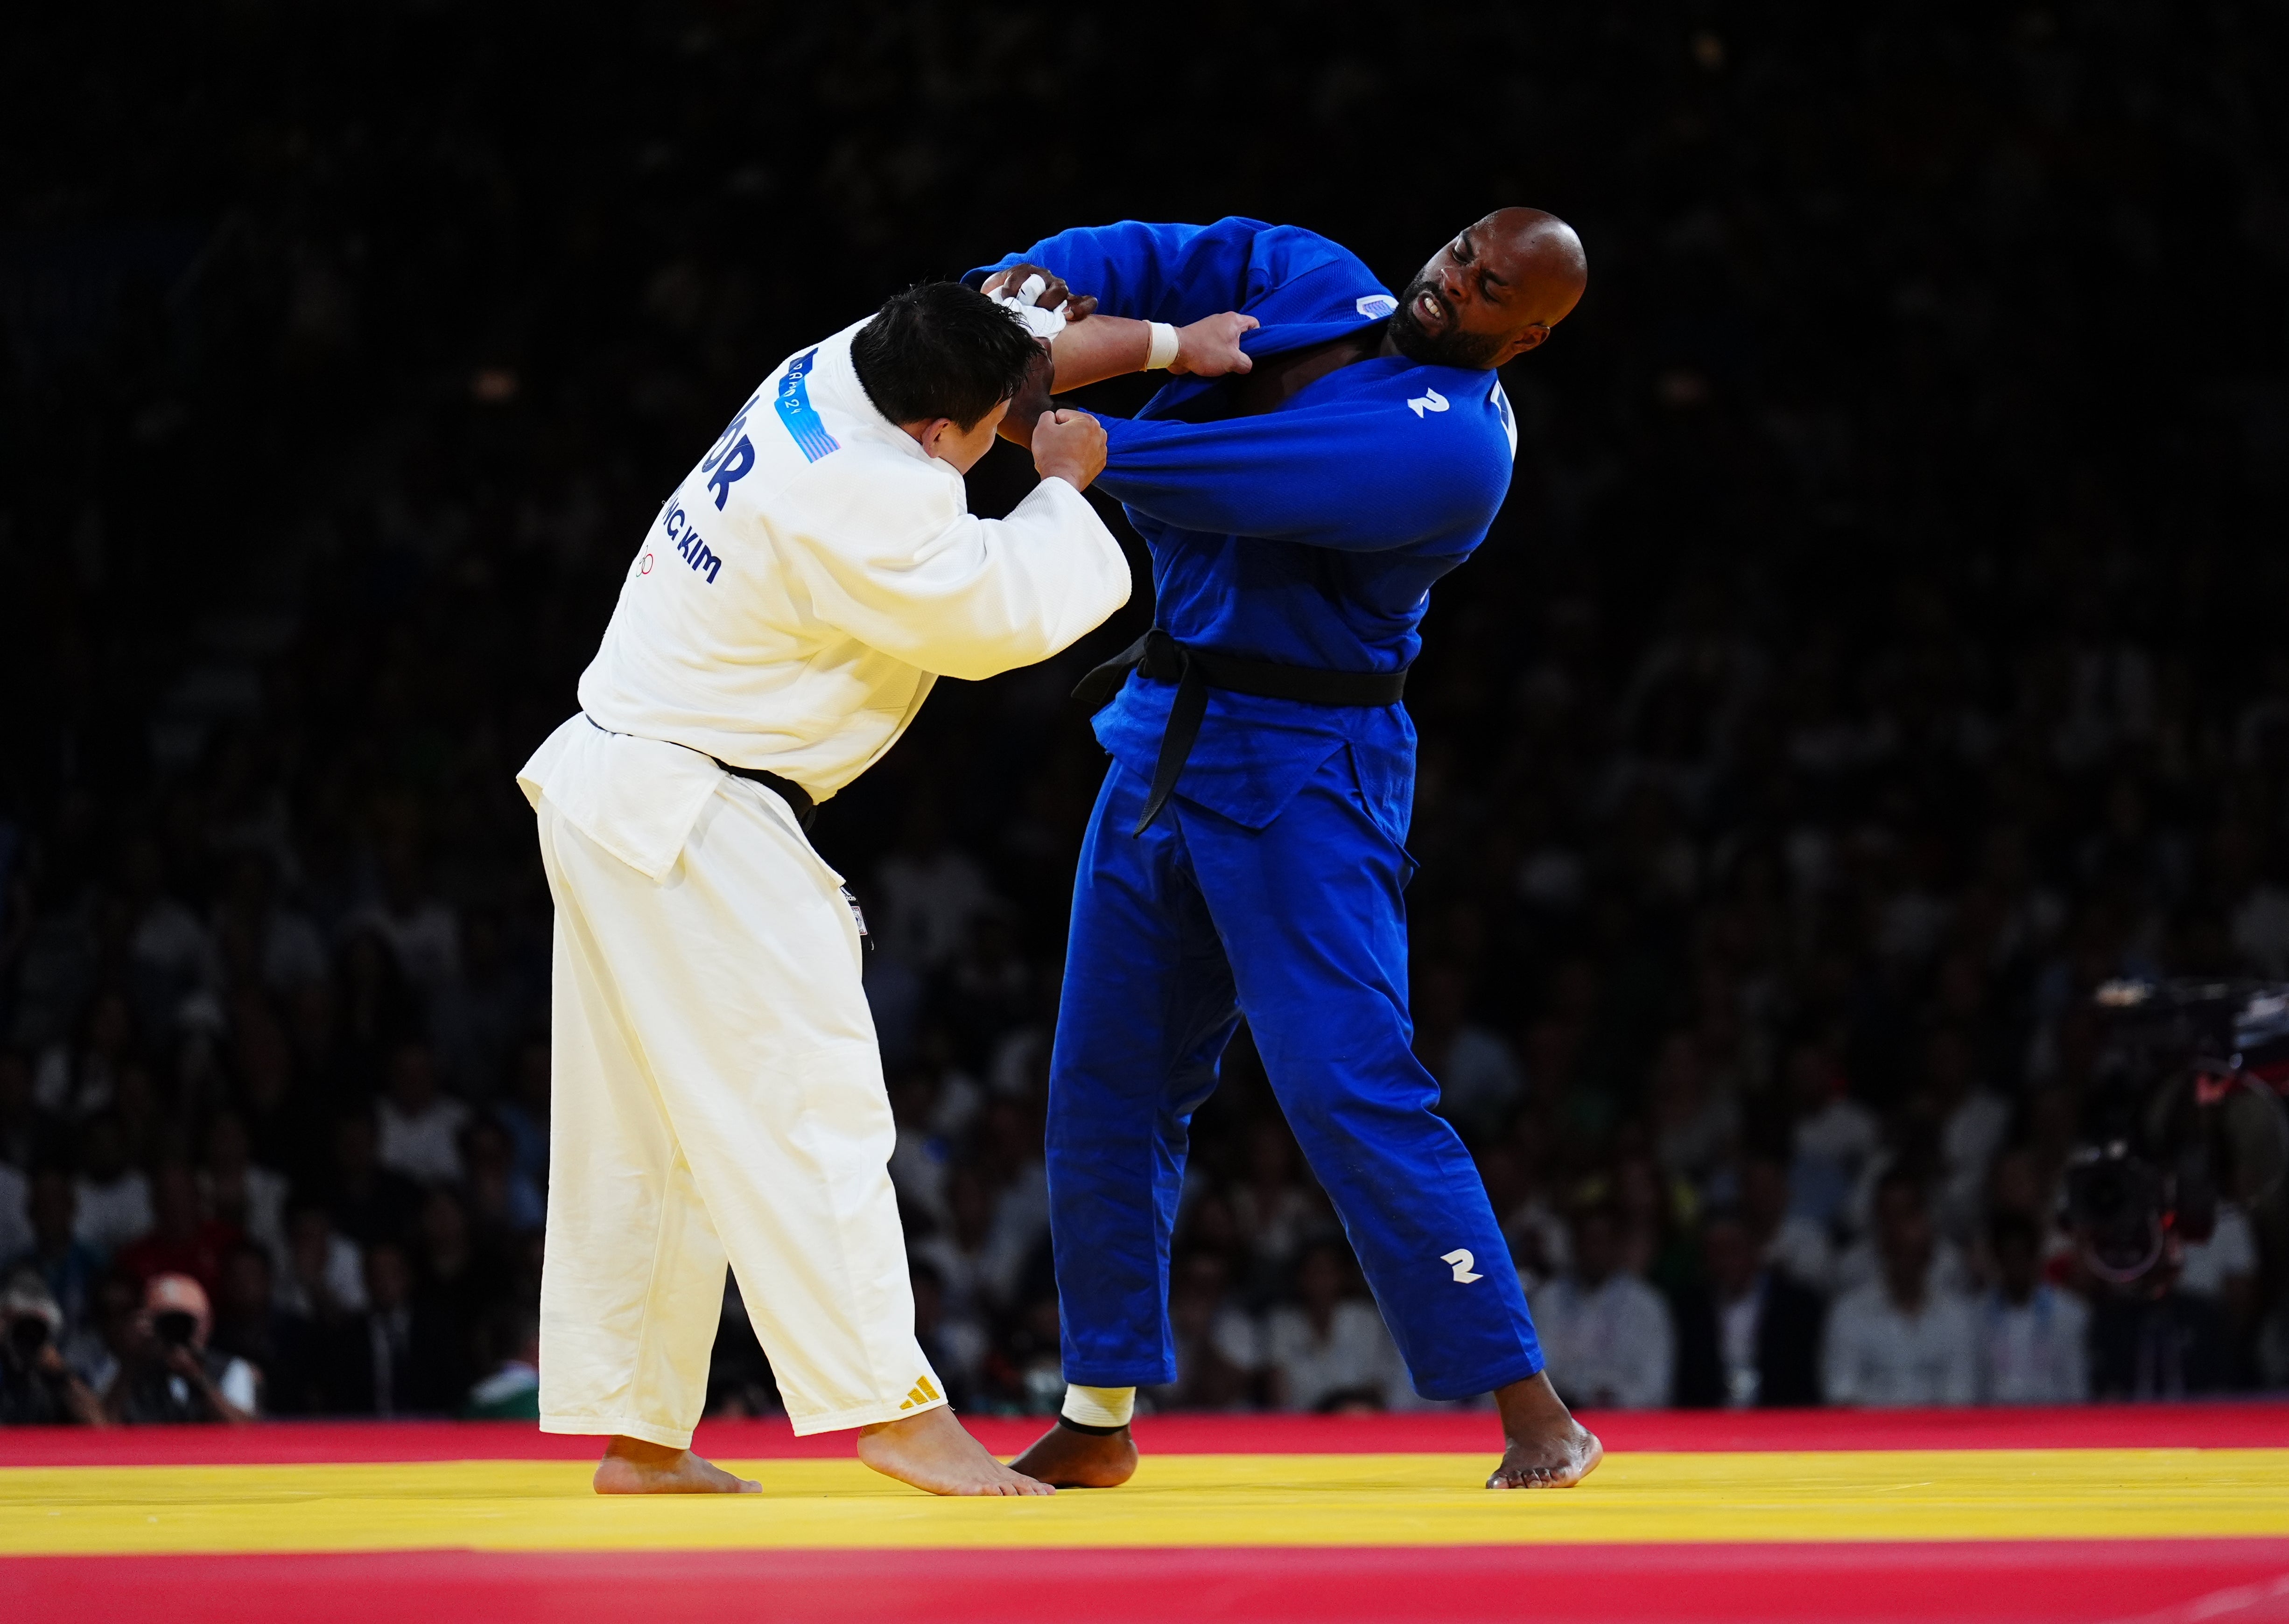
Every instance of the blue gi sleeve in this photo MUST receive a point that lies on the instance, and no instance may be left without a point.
(1173, 274)
(1349, 480)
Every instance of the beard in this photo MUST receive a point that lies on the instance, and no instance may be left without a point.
(1473, 352)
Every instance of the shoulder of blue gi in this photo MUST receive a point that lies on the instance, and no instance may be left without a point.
(1180, 274)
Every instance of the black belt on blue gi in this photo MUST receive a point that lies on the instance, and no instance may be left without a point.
(1160, 657)
(798, 799)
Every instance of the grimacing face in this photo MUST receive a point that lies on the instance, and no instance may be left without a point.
(1493, 292)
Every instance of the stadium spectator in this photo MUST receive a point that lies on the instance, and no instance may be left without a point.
(249, 1325)
(1479, 1078)
(1792, 1243)
(1328, 1352)
(402, 1356)
(168, 1375)
(182, 1240)
(238, 1193)
(112, 1199)
(504, 1202)
(1836, 1138)
(2034, 1339)
(1271, 1210)
(369, 1202)
(37, 1389)
(973, 1274)
(1971, 1122)
(1220, 1350)
(1751, 1335)
(1606, 1335)
(1904, 1338)
(1900, 1185)
(1693, 1125)
(2222, 1269)
(67, 1266)
(417, 1128)
(95, 1352)
(324, 1275)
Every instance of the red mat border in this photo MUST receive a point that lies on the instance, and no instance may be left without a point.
(2205, 1426)
(2161, 1581)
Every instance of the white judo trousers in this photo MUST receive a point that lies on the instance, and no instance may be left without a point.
(718, 1092)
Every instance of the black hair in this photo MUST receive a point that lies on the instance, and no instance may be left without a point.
(941, 350)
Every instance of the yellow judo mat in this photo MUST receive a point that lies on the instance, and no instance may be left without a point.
(1175, 1500)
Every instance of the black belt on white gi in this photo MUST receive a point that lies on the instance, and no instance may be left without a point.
(1160, 657)
(798, 799)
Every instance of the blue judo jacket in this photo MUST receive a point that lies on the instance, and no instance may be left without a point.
(1309, 534)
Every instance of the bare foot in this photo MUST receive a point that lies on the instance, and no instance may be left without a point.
(1080, 1459)
(1544, 1447)
(631, 1466)
(933, 1452)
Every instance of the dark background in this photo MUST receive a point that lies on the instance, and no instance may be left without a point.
(1879, 645)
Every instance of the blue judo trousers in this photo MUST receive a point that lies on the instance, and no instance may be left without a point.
(1272, 885)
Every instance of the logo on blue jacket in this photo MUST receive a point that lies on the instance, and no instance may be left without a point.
(1374, 306)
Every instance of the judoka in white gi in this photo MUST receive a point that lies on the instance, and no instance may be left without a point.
(718, 1088)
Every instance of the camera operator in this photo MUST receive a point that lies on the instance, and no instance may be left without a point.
(2184, 1131)
(168, 1375)
(36, 1388)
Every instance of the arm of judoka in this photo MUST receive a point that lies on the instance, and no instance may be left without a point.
(1103, 347)
(1107, 346)
(980, 597)
(1145, 272)
(1320, 479)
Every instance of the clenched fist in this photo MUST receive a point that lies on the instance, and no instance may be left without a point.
(1210, 347)
(1069, 445)
(1054, 294)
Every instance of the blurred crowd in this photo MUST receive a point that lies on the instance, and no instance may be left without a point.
(1879, 650)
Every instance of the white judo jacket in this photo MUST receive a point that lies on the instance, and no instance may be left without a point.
(794, 600)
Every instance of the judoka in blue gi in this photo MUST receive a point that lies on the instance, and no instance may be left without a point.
(1247, 856)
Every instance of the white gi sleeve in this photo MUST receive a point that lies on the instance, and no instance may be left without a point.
(889, 556)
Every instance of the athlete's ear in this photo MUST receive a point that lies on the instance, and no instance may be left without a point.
(1530, 339)
(928, 435)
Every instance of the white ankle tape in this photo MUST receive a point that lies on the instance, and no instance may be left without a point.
(1099, 1406)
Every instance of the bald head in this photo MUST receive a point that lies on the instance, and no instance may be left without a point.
(1493, 293)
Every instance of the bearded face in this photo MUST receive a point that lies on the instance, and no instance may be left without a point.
(1423, 329)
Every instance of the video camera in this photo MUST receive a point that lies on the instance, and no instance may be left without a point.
(2185, 1109)
(30, 1316)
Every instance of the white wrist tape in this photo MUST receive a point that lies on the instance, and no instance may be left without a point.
(1164, 347)
(1099, 1406)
